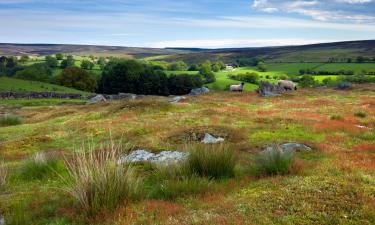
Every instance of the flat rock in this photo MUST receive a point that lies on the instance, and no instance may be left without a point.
(141, 155)
(127, 96)
(209, 139)
(199, 91)
(97, 99)
(176, 99)
(290, 147)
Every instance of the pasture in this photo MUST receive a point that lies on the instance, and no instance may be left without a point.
(333, 184)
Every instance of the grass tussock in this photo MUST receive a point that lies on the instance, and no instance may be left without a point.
(360, 114)
(212, 161)
(10, 120)
(336, 117)
(98, 183)
(275, 162)
(3, 174)
(41, 166)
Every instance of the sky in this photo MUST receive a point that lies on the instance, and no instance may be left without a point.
(183, 23)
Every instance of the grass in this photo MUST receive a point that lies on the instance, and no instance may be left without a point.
(273, 162)
(3, 174)
(17, 85)
(40, 102)
(213, 161)
(10, 120)
(97, 182)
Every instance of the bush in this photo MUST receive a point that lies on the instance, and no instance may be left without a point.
(51, 61)
(307, 81)
(87, 64)
(178, 66)
(215, 161)
(247, 77)
(10, 120)
(37, 72)
(273, 162)
(183, 84)
(205, 69)
(77, 78)
(97, 182)
(40, 166)
(336, 117)
(360, 114)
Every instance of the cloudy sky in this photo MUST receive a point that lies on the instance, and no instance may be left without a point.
(184, 23)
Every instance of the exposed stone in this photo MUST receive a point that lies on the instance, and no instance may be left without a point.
(199, 91)
(96, 99)
(266, 89)
(290, 147)
(144, 155)
(176, 99)
(209, 139)
(127, 96)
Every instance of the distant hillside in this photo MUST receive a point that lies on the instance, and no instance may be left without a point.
(48, 49)
(304, 53)
(17, 85)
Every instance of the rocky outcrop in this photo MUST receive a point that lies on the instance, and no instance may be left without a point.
(142, 155)
(96, 99)
(266, 89)
(289, 147)
(209, 139)
(199, 91)
(177, 99)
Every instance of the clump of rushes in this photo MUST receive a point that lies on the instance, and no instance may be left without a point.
(336, 117)
(10, 120)
(97, 182)
(41, 166)
(212, 161)
(273, 162)
(360, 114)
(3, 174)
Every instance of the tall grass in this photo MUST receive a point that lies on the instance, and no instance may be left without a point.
(273, 162)
(212, 161)
(3, 174)
(41, 166)
(9, 120)
(97, 182)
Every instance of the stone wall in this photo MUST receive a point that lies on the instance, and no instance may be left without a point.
(35, 95)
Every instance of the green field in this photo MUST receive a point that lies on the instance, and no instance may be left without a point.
(17, 85)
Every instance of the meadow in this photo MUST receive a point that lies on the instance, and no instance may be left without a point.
(333, 184)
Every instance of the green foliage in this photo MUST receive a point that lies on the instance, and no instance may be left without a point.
(336, 117)
(98, 183)
(101, 62)
(59, 56)
(247, 62)
(68, 62)
(9, 120)
(262, 67)
(87, 64)
(177, 66)
(307, 81)
(246, 77)
(273, 162)
(215, 161)
(74, 77)
(24, 58)
(3, 175)
(206, 71)
(183, 84)
(52, 61)
(360, 114)
(36, 72)
(40, 167)
(18, 214)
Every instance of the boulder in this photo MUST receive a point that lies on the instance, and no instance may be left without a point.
(209, 139)
(97, 99)
(199, 91)
(127, 96)
(176, 99)
(290, 147)
(266, 89)
(141, 155)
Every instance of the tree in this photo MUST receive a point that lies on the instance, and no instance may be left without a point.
(206, 71)
(87, 64)
(262, 67)
(307, 81)
(37, 72)
(360, 59)
(178, 66)
(101, 62)
(24, 58)
(59, 56)
(193, 67)
(182, 84)
(51, 61)
(68, 62)
(349, 60)
(77, 78)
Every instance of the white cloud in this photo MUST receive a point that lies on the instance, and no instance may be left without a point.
(355, 1)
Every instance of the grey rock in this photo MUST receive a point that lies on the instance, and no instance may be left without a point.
(176, 99)
(199, 91)
(97, 99)
(209, 139)
(141, 155)
(127, 96)
(266, 89)
(290, 147)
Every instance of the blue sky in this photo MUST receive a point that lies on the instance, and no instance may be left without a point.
(183, 23)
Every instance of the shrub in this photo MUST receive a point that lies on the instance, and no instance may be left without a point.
(97, 182)
(215, 161)
(307, 81)
(36, 72)
(78, 78)
(360, 114)
(3, 175)
(178, 66)
(184, 83)
(10, 120)
(40, 166)
(273, 162)
(247, 77)
(336, 117)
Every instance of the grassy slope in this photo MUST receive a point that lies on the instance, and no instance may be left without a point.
(336, 188)
(11, 84)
